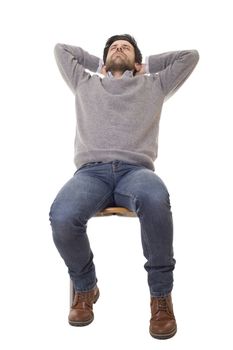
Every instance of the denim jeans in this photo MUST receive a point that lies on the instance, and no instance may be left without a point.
(97, 185)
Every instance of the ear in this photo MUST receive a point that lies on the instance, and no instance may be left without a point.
(103, 70)
(137, 67)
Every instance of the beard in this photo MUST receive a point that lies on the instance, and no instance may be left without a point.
(118, 63)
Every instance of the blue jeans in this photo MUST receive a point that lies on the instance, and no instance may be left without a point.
(97, 185)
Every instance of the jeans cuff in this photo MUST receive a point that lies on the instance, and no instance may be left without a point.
(87, 288)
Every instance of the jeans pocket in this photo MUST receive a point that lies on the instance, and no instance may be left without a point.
(87, 165)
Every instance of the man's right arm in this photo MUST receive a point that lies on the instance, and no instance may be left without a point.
(72, 62)
(173, 68)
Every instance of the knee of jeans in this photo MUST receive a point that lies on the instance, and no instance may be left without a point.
(159, 199)
(63, 220)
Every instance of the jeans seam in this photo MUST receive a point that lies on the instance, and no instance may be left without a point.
(130, 195)
(140, 219)
(94, 210)
(102, 201)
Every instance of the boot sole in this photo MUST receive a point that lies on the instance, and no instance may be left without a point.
(84, 323)
(81, 323)
(164, 336)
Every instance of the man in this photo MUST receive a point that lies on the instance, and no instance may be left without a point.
(118, 116)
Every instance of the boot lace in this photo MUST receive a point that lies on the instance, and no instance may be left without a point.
(162, 304)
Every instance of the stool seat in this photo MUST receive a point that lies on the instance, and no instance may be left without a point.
(120, 211)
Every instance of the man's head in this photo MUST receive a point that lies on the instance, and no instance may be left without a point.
(121, 53)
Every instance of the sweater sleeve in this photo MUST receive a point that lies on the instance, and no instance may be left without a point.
(72, 62)
(173, 68)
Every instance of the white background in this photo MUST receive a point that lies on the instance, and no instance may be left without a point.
(195, 155)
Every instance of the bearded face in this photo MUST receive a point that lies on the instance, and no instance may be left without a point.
(119, 63)
(121, 57)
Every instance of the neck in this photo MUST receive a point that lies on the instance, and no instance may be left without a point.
(117, 74)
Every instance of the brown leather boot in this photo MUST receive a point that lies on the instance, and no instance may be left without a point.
(162, 323)
(81, 313)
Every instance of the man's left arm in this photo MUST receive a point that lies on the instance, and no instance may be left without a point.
(72, 62)
(173, 68)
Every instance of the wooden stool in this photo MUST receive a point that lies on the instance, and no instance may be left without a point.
(119, 211)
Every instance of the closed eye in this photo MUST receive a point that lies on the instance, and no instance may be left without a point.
(126, 47)
(112, 47)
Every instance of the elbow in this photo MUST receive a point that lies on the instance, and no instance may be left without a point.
(191, 57)
(195, 56)
(58, 48)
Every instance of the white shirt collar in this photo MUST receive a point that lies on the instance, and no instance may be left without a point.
(127, 73)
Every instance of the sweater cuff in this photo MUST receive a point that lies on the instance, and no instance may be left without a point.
(101, 62)
(147, 65)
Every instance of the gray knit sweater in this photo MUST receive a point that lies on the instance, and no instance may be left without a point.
(118, 119)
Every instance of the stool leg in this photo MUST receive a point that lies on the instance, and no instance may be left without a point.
(72, 292)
